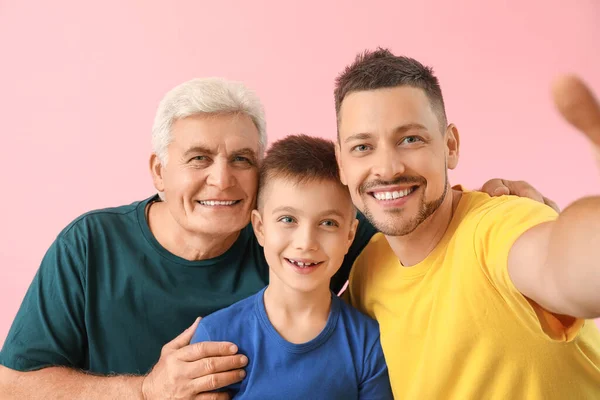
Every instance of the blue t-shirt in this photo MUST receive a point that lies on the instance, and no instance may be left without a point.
(344, 361)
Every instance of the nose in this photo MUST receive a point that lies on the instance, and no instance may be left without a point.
(305, 239)
(387, 163)
(220, 175)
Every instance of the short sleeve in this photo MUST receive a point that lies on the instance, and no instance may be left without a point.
(375, 380)
(364, 233)
(201, 334)
(49, 328)
(497, 231)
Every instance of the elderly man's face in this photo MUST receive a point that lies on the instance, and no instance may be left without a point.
(211, 177)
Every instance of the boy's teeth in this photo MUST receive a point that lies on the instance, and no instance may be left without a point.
(301, 264)
(393, 195)
(217, 203)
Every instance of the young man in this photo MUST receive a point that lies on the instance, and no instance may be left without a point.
(476, 297)
(302, 341)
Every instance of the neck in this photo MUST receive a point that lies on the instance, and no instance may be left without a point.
(191, 246)
(413, 248)
(298, 316)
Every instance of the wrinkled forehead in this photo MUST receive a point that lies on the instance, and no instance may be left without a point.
(215, 133)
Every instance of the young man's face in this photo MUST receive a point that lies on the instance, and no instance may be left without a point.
(305, 229)
(394, 157)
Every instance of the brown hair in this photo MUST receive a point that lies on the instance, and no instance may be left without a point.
(302, 159)
(382, 69)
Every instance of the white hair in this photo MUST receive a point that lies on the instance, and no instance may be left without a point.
(205, 96)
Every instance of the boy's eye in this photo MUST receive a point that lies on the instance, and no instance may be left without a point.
(330, 222)
(286, 219)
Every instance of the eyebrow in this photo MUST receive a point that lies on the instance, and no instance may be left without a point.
(293, 210)
(399, 129)
(197, 149)
(246, 151)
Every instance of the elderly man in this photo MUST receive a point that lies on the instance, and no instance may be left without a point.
(119, 283)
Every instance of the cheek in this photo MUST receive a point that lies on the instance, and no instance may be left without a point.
(336, 245)
(248, 181)
(356, 174)
(183, 180)
(275, 238)
(432, 167)
(427, 163)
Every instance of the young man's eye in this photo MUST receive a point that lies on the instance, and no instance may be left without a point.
(411, 139)
(286, 219)
(360, 148)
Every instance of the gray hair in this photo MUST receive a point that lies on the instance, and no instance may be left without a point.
(205, 96)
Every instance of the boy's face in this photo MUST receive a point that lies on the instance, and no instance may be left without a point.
(305, 229)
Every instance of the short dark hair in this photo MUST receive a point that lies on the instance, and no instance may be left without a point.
(382, 69)
(302, 159)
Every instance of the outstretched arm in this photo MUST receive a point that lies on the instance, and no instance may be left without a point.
(557, 264)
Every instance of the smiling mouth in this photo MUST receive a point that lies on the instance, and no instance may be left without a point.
(215, 203)
(393, 194)
(303, 264)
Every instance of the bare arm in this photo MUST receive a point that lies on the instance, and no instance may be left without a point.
(184, 371)
(64, 383)
(557, 264)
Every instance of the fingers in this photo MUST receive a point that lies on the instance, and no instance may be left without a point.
(495, 187)
(552, 204)
(578, 106)
(216, 381)
(184, 338)
(212, 365)
(213, 396)
(523, 189)
(200, 350)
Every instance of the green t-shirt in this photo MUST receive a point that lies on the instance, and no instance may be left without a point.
(108, 296)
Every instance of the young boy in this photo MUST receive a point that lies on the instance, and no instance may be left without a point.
(301, 340)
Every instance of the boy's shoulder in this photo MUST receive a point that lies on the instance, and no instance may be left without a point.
(354, 320)
(235, 314)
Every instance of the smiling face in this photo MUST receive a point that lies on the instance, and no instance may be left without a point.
(211, 178)
(393, 156)
(306, 230)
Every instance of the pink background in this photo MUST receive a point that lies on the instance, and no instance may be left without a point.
(80, 82)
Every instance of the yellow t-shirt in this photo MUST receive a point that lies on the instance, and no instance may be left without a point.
(455, 327)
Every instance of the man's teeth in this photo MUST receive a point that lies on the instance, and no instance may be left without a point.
(302, 264)
(217, 203)
(393, 195)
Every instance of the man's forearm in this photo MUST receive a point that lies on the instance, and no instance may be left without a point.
(64, 383)
(574, 258)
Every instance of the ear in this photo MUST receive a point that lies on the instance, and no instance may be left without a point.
(339, 162)
(258, 227)
(352, 233)
(157, 169)
(452, 146)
